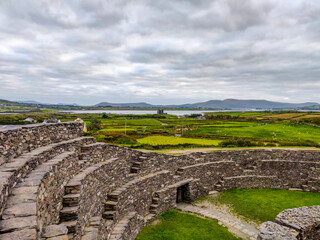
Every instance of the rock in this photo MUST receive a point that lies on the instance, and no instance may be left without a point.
(54, 231)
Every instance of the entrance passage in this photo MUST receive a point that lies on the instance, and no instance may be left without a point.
(183, 193)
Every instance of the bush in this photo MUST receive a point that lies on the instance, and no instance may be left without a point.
(239, 143)
(119, 138)
(94, 125)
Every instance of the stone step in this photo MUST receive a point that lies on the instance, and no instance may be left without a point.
(17, 169)
(68, 213)
(179, 171)
(149, 217)
(153, 211)
(110, 206)
(134, 170)
(109, 215)
(71, 225)
(83, 156)
(119, 229)
(137, 164)
(155, 200)
(18, 223)
(24, 234)
(113, 196)
(23, 198)
(154, 206)
(71, 188)
(71, 200)
(20, 210)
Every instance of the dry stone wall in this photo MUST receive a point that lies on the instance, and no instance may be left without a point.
(27, 138)
(297, 223)
(102, 191)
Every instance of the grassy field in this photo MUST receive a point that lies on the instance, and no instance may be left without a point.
(174, 225)
(170, 140)
(276, 131)
(158, 132)
(263, 205)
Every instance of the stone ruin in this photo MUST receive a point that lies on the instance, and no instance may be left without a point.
(57, 184)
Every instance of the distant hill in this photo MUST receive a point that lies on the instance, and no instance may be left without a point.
(314, 107)
(140, 104)
(219, 104)
(255, 104)
(31, 102)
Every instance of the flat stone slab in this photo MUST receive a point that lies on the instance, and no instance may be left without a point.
(24, 190)
(24, 198)
(25, 234)
(18, 223)
(20, 210)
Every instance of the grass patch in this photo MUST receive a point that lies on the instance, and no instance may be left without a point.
(170, 140)
(263, 205)
(174, 225)
(279, 132)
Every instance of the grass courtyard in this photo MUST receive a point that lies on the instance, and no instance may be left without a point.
(262, 205)
(175, 225)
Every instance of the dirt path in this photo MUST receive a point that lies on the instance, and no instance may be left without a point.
(236, 225)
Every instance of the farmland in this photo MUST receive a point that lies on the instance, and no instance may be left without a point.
(215, 130)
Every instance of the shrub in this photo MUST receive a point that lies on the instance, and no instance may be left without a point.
(239, 143)
(94, 125)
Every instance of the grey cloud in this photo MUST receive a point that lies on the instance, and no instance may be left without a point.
(159, 51)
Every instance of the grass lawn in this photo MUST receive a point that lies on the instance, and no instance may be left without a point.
(175, 225)
(263, 205)
(170, 140)
(279, 131)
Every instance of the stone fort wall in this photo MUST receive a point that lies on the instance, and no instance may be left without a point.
(69, 187)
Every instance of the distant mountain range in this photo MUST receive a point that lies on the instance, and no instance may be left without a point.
(218, 104)
(140, 105)
(212, 104)
(39, 103)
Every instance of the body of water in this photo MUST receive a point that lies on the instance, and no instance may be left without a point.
(172, 112)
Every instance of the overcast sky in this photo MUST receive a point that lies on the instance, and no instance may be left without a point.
(166, 51)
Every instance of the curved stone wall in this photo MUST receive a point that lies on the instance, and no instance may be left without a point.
(296, 223)
(22, 139)
(101, 191)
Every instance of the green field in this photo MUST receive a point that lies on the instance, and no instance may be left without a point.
(175, 225)
(277, 131)
(263, 205)
(170, 140)
(159, 132)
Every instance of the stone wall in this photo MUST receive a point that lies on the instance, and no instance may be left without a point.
(26, 138)
(126, 189)
(297, 223)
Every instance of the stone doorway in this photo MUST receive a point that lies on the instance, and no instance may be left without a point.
(183, 193)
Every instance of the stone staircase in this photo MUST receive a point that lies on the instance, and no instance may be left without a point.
(26, 184)
(20, 214)
(12, 172)
(71, 199)
(155, 203)
(136, 166)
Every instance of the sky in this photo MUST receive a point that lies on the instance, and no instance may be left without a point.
(160, 52)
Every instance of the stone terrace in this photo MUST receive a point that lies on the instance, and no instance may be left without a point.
(57, 184)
